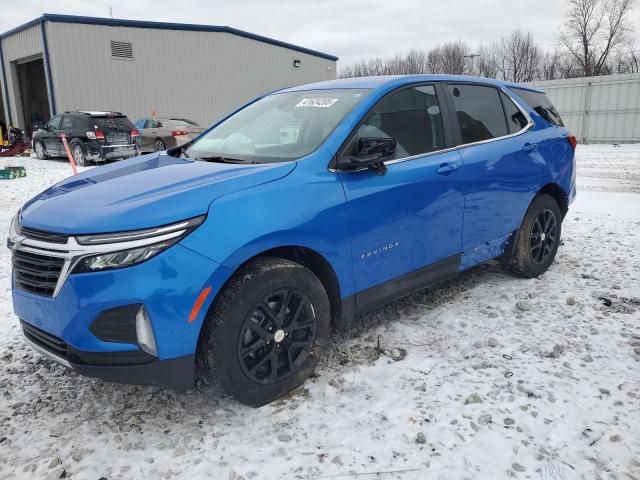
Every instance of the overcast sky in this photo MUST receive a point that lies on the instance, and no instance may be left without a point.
(349, 29)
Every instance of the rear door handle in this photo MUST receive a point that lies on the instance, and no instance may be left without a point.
(447, 168)
(530, 147)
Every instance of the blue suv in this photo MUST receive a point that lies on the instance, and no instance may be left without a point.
(231, 257)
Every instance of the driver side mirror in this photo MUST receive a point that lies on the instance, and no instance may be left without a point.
(49, 128)
(371, 152)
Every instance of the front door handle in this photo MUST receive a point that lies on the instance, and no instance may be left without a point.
(530, 147)
(447, 168)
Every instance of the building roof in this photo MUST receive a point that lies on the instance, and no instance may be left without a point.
(398, 80)
(111, 22)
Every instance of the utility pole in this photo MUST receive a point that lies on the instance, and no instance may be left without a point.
(111, 12)
(472, 56)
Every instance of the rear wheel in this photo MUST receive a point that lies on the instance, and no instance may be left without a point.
(78, 154)
(536, 243)
(266, 331)
(39, 148)
(159, 145)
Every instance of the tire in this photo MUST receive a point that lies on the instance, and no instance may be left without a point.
(158, 145)
(77, 151)
(247, 315)
(39, 149)
(536, 243)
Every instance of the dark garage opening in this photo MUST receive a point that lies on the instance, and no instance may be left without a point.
(3, 120)
(33, 94)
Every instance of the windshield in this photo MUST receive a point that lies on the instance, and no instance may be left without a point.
(278, 127)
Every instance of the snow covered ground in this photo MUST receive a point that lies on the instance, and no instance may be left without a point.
(502, 377)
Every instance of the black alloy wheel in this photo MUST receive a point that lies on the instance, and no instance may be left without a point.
(265, 332)
(278, 332)
(543, 237)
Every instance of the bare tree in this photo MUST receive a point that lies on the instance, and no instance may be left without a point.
(485, 65)
(594, 30)
(626, 59)
(517, 57)
(448, 58)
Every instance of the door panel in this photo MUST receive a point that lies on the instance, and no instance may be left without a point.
(410, 217)
(501, 175)
(404, 220)
(51, 139)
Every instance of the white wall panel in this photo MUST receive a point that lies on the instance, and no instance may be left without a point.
(602, 109)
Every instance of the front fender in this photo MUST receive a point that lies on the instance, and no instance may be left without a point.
(305, 209)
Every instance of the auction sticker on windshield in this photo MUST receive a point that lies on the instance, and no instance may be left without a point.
(316, 102)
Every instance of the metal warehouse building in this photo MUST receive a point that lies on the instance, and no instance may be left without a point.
(201, 72)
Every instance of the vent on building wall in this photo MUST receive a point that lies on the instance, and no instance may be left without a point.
(121, 50)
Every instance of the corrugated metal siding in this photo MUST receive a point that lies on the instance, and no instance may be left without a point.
(602, 109)
(23, 44)
(197, 75)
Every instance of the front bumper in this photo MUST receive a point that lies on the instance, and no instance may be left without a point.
(135, 367)
(167, 285)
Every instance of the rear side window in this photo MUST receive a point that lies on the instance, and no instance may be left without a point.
(541, 104)
(112, 123)
(140, 123)
(183, 122)
(67, 123)
(410, 116)
(516, 120)
(479, 112)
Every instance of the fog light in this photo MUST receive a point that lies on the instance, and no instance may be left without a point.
(144, 332)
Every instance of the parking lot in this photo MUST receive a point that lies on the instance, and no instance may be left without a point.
(486, 376)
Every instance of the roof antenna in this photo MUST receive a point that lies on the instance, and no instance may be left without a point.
(111, 12)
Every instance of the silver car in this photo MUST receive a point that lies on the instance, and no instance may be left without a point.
(164, 133)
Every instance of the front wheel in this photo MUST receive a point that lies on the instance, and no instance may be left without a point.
(39, 148)
(536, 243)
(265, 333)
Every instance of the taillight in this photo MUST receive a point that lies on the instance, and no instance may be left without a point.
(178, 133)
(99, 135)
(135, 133)
(572, 140)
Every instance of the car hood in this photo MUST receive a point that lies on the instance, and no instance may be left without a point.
(142, 192)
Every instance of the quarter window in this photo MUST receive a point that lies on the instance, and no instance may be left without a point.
(541, 104)
(516, 120)
(55, 123)
(479, 112)
(410, 116)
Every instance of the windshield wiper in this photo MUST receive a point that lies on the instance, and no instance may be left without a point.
(221, 159)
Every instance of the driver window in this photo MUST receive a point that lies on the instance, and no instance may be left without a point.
(55, 123)
(410, 116)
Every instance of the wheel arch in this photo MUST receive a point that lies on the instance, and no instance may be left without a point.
(558, 194)
(307, 257)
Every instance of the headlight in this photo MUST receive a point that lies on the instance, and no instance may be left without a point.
(143, 245)
(122, 258)
(14, 230)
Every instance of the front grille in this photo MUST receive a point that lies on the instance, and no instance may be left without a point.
(36, 273)
(43, 236)
(45, 340)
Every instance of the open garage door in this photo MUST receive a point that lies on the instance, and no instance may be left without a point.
(33, 94)
(3, 121)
